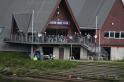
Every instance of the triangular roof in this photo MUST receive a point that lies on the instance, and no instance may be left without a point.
(42, 11)
(43, 14)
(23, 21)
(85, 11)
(70, 13)
(114, 23)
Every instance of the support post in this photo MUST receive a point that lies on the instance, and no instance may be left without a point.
(96, 36)
(71, 52)
(99, 46)
(32, 50)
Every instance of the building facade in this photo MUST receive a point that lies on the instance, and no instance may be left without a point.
(63, 28)
(112, 32)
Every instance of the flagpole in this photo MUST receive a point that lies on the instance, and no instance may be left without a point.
(32, 25)
(96, 35)
(99, 45)
(98, 32)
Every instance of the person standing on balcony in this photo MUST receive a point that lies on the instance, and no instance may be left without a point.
(89, 38)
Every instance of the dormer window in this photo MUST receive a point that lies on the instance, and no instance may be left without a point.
(58, 11)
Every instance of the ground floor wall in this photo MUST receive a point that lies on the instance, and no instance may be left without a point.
(56, 52)
(68, 54)
(117, 53)
(83, 53)
(14, 47)
(65, 55)
(60, 52)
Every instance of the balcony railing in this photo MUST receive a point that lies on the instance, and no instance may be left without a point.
(57, 39)
(50, 39)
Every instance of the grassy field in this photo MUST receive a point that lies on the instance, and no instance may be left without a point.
(20, 64)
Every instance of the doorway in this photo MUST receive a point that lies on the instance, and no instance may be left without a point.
(108, 50)
(76, 53)
(47, 50)
(61, 53)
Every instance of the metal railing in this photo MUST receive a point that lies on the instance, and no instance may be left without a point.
(49, 39)
(88, 43)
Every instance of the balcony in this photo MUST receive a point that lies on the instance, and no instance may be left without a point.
(49, 39)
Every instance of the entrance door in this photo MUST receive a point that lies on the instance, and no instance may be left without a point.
(76, 53)
(61, 53)
(108, 54)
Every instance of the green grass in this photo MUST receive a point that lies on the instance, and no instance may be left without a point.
(21, 64)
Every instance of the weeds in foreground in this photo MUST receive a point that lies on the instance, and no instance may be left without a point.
(20, 63)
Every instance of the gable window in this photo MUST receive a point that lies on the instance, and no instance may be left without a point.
(117, 34)
(58, 12)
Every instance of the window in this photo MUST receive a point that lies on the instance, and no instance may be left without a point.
(117, 34)
(58, 11)
(106, 34)
(112, 35)
(122, 34)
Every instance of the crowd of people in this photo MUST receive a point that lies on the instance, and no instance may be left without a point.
(44, 38)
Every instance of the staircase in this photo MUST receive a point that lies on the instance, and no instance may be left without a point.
(94, 49)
